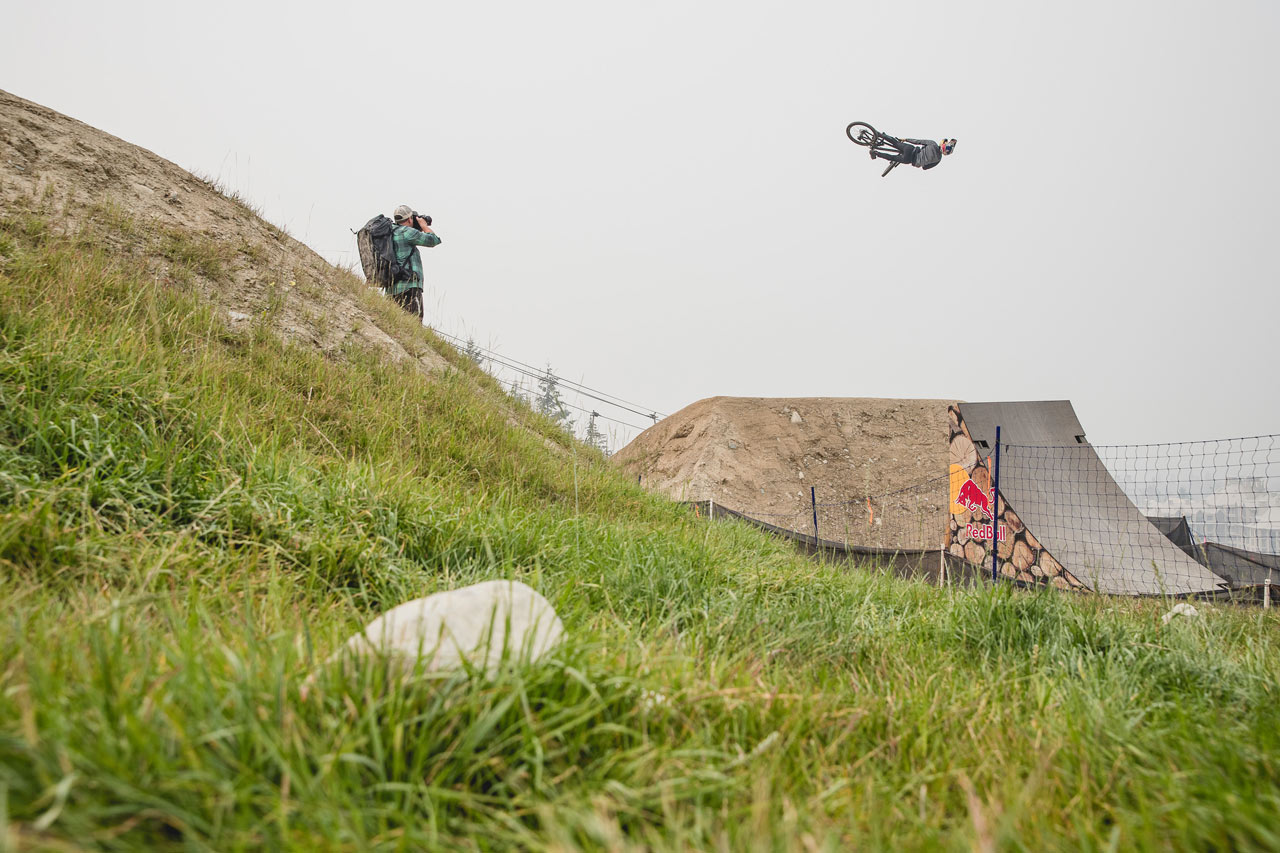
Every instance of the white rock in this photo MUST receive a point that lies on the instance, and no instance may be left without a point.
(795, 417)
(1179, 610)
(476, 623)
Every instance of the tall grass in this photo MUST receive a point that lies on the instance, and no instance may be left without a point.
(191, 520)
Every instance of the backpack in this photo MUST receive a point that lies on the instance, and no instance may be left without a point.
(378, 254)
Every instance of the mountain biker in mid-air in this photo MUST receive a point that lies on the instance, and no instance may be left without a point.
(921, 153)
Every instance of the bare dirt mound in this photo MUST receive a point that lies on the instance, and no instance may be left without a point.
(191, 235)
(878, 467)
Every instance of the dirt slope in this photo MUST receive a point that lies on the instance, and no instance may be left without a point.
(254, 271)
(762, 455)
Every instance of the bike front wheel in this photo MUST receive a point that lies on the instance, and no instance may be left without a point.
(861, 133)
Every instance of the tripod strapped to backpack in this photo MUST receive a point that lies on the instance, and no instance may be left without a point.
(378, 253)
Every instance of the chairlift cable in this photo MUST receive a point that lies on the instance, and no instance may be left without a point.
(524, 369)
(612, 399)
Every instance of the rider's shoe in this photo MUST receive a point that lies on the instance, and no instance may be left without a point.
(873, 155)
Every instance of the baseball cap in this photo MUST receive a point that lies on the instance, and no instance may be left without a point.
(404, 211)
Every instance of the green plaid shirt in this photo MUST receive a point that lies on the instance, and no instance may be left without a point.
(405, 241)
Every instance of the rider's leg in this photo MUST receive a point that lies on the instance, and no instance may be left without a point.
(906, 153)
(411, 301)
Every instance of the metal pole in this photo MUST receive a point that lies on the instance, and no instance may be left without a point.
(813, 502)
(995, 508)
(1266, 592)
(711, 509)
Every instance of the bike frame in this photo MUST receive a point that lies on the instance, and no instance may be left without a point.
(881, 143)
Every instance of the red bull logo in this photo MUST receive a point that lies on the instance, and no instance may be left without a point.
(973, 498)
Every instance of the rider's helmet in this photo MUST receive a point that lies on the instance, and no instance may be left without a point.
(948, 145)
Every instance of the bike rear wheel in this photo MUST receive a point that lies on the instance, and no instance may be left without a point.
(861, 133)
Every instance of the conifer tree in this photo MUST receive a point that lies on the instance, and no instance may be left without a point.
(595, 438)
(548, 401)
(518, 393)
(473, 352)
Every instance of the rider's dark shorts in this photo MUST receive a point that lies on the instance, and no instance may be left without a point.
(907, 153)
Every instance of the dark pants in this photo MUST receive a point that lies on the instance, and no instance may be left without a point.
(411, 301)
(906, 153)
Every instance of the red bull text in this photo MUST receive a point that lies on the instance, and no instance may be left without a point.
(983, 532)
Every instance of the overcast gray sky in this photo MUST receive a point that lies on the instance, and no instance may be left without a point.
(659, 199)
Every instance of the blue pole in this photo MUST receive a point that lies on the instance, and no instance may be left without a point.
(995, 511)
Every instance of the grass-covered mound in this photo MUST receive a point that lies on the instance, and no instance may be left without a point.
(191, 519)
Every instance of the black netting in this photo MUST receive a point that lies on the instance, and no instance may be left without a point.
(1195, 518)
(1187, 518)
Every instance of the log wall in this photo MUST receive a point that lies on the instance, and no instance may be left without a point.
(1020, 556)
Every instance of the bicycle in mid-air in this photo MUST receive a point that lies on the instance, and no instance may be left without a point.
(861, 133)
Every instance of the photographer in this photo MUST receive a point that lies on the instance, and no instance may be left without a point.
(411, 231)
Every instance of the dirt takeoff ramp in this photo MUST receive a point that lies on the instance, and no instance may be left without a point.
(876, 468)
(1058, 506)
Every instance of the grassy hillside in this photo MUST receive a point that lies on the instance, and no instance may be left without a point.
(191, 518)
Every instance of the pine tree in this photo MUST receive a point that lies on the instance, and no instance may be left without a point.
(473, 352)
(595, 438)
(518, 393)
(548, 401)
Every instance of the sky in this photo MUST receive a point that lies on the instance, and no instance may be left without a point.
(659, 201)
